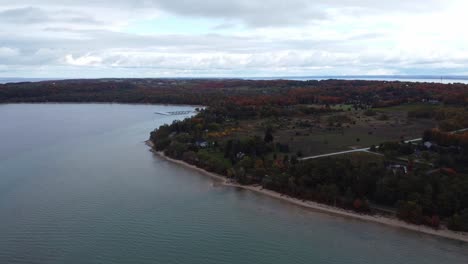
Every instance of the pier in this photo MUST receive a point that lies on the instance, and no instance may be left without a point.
(172, 113)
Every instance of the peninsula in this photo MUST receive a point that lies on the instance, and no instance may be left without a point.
(376, 150)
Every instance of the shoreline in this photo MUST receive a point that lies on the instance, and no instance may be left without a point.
(393, 222)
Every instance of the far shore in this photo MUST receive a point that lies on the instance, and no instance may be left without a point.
(443, 232)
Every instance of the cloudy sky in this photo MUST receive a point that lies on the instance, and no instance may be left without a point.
(216, 38)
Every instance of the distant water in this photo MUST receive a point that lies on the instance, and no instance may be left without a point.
(16, 80)
(390, 78)
(78, 185)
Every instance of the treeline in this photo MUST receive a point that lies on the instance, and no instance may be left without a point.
(240, 92)
(449, 118)
(447, 139)
(124, 91)
(418, 197)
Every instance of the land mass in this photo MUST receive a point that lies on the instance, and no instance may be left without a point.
(399, 157)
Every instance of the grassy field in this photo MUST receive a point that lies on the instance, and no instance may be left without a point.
(408, 107)
(319, 134)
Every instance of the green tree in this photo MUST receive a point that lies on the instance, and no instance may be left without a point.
(409, 211)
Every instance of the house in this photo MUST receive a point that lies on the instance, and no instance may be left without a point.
(240, 155)
(201, 144)
(398, 168)
(428, 144)
(417, 153)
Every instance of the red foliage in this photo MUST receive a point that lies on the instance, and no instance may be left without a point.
(357, 204)
(435, 221)
(448, 171)
(447, 139)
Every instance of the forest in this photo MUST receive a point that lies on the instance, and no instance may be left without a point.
(240, 92)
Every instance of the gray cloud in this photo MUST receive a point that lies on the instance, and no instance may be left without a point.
(23, 15)
(35, 16)
(256, 13)
(276, 37)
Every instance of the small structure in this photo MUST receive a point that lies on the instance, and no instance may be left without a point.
(201, 144)
(240, 155)
(428, 144)
(431, 101)
(398, 168)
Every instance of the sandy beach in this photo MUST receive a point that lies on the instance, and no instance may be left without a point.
(443, 232)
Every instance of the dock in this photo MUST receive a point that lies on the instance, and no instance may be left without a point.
(171, 113)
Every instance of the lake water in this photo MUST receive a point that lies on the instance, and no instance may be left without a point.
(389, 78)
(78, 185)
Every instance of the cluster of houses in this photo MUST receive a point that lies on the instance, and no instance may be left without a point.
(427, 145)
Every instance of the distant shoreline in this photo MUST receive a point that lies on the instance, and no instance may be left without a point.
(400, 78)
(443, 233)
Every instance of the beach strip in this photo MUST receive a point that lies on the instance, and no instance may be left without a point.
(394, 222)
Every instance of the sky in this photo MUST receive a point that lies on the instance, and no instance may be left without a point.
(236, 38)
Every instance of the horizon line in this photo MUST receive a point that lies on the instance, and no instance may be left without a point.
(410, 76)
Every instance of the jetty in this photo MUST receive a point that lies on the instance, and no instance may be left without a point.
(172, 113)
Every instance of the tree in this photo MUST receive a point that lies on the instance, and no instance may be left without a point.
(464, 219)
(426, 200)
(435, 221)
(349, 197)
(246, 162)
(294, 159)
(268, 135)
(409, 211)
(176, 149)
(190, 157)
(459, 222)
(333, 193)
(455, 223)
(292, 186)
(358, 204)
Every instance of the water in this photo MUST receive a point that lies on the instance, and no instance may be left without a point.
(15, 80)
(390, 78)
(78, 185)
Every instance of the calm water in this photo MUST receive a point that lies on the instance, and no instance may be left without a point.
(390, 78)
(78, 185)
